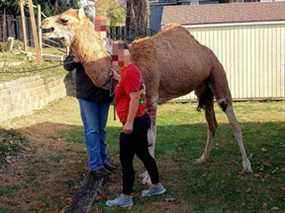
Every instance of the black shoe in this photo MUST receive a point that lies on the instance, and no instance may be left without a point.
(110, 167)
(90, 189)
(89, 181)
(102, 172)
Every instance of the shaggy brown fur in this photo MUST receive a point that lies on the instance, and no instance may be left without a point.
(181, 63)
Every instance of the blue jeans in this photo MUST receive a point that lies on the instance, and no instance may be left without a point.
(94, 117)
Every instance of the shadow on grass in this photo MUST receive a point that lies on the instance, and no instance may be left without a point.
(217, 186)
(213, 187)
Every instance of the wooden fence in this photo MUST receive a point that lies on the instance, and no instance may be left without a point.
(10, 26)
(121, 33)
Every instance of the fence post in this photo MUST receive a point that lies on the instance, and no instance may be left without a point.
(125, 33)
(34, 30)
(10, 44)
(39, 28)
(23, 22)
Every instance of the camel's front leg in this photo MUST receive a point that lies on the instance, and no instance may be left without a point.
(152, 135)
(152, 109)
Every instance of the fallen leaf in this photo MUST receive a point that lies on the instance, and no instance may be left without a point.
(248, 190)
(170, 199)
(267, 163)
(275, 208)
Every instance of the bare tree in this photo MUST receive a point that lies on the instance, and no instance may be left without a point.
(62, 5)
(137, 18)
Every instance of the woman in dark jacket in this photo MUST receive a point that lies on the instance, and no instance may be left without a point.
(94, 105)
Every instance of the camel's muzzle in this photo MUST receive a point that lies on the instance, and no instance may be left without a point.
(48, 30)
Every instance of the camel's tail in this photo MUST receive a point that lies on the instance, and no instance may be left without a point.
(206, 102)
(205, 96)
(215, 86)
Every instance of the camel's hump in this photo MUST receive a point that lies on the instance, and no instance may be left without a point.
(171, 26)
(166, 31)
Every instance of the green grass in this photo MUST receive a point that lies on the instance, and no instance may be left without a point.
(216, 186)
(11, 142)
(3, 210)
(18, 65)
(10, 191)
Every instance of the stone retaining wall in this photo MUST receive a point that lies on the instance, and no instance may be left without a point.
(22, 96)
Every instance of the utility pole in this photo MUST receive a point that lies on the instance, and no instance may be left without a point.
(23, 23)
(4, 26)
(34, 30)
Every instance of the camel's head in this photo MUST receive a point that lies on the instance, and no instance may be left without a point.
(64, 27)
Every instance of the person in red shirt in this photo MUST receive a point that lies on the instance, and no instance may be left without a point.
(131, 110)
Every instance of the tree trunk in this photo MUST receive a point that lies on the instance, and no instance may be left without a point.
(34, 30)
(4, 27)
(62, 5)
(137, 18)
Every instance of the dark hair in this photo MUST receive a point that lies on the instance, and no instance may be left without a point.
(123, 45)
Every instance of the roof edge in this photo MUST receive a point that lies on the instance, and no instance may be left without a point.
(232, 24)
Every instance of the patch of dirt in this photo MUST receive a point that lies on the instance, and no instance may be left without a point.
(46, 175)
(172, 178)
(49, 173)
(11, 144)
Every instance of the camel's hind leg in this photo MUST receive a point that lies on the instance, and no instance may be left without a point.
(220, 88)
(212, 126)
(206, 101)
(228, 109)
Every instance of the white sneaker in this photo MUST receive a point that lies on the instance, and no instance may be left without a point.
(121, 201)
(157, 189)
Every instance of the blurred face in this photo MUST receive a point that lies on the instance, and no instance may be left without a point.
(121, 56)
(100, 24)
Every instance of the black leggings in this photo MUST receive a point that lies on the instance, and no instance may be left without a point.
(136, 143)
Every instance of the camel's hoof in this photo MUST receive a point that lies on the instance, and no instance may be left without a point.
(247, 170)
(145, 178)
(143, 174)
(201, 160)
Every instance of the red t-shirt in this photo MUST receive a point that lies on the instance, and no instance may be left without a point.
(131, 81)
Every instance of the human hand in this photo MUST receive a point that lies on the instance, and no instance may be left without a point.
(76, 59)
(116, 75)
(128, 128)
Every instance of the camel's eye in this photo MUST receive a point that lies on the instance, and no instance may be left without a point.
(63, 20)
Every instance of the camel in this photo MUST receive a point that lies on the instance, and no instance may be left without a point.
(173, 63)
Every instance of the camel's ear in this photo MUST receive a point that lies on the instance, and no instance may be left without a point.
(81, 13)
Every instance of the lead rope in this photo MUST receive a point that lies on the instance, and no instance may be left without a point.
(114, 100)
(112, 94)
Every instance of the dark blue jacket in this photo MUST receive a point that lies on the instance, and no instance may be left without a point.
(85, 89)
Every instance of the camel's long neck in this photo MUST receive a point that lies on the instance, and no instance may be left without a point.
(89, 48)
